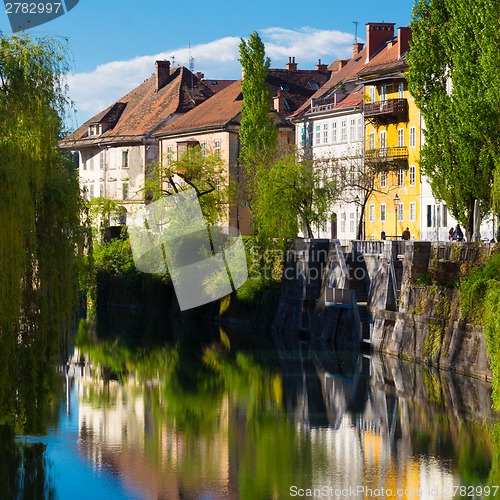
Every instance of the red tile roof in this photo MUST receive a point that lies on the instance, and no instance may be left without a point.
(141, 111)
(218, 111)
(347, 73)
(386, 59)
(225, 107)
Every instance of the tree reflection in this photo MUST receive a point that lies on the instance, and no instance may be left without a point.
(25, 473)
(253, 423)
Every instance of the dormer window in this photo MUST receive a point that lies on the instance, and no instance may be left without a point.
(95, 129)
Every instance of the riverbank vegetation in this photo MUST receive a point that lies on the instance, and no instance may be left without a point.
(480, 304)
(42, 238)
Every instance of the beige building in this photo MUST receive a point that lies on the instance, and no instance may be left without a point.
(116, 147)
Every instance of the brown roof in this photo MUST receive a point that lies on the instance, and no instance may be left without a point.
(347, 72)
(387, 60)
(218, 111)
(142, 110)
(390, 57)
(225, 107)
(301, 85)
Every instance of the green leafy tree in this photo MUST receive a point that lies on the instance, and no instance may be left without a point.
(450, 78)
(293, 194)
(41, 239)
(197, 169)
(258, 135)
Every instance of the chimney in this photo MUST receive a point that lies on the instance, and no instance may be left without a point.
(404, 38)
(321, 67)
(291, 65)
(162, 74)
(376, 35)
(357, 48)
(341, 63)
(199, 75)
(279, 102)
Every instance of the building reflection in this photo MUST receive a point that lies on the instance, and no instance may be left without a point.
(318, 419)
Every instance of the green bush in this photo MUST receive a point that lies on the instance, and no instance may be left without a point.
(114, 257)
(480, 302)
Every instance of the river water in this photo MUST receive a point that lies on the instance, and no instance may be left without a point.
(219, 418)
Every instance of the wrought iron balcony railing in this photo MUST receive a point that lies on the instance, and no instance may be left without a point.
(395, 157)
(389, 110)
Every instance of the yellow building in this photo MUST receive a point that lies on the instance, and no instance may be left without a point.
(392, 134)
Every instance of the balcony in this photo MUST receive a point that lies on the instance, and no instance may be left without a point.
(389, 111)
(387, 158)
(326, 103)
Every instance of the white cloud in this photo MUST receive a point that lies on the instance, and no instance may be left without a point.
(94, 91)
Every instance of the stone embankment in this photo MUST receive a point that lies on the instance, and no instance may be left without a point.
(398, 297)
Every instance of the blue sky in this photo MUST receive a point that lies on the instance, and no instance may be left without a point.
(114, 43)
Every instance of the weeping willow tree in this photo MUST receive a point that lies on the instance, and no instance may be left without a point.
(40, 231)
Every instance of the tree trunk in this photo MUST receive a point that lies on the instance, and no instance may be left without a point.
(360, 234)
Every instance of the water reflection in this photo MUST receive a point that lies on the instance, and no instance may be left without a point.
(197, 418)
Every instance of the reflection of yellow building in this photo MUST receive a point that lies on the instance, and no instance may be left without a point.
(392, 131)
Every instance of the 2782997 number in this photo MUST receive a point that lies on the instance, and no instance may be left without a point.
(32, 8)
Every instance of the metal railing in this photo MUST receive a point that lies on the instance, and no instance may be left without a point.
(386, 154)
(393, 107)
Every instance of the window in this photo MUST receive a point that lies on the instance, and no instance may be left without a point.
(445, 216)
(352, 222)
(313, 85)
(401, 137)
(372, 94)
(383, 179)
(124, 159)
(383, 139)
(303, 130)
(352, 130)
(334, 131)
(203, 149)
(372, 212)
(217, 149)
(91, 190)
(372, 140)
(325, 133)
(413, 137)
(360, 128)
(95, 129)
(169, 155)
(284, 87)
(342, 222)
(383, 93)
(91, 163)
(413, 211)
(125, 191)
(429, 215)
(382, 212)
(101, 190)
(317, 134)
(101, 160)
(343, 130)
(413, 175)
(401, 212)
(401, 176)
(401, 90)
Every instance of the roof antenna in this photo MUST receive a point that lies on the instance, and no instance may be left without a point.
(355, 31)
(173, 60)
(191, 68)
